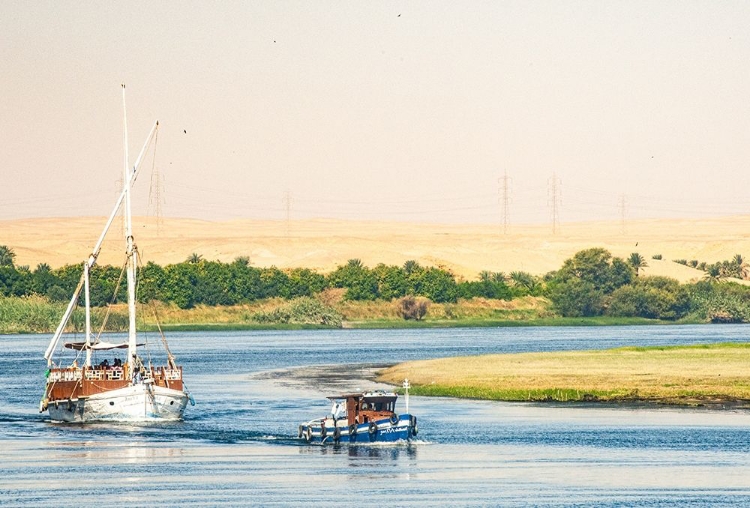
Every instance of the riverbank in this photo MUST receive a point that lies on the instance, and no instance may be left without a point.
(715, 375)
(37, 315)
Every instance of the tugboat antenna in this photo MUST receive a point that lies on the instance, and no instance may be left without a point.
(406, 393)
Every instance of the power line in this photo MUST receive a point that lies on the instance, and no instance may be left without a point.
(287, 200)
(504, 195)
(554, 201)
(155, 191)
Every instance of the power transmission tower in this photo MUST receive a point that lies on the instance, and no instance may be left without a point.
(505, 197)
(288, 207)
(553, 201)
(622, 213)
(155, 197)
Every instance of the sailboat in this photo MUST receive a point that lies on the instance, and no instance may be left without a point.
(133, 390)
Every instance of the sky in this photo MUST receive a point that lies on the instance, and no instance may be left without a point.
(435, 111)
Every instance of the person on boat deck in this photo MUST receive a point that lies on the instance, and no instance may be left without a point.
(104, 364)
(338, 411)
(118, 362)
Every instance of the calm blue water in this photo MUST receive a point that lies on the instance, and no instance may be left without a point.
(238, 445)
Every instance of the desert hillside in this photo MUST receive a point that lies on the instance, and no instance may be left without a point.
(324, 244)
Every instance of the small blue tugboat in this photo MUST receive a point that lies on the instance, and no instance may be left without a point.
(367, 417)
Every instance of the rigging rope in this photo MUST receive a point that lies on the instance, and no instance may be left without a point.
(114, 298)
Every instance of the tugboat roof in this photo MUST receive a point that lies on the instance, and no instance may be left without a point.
(371, 396)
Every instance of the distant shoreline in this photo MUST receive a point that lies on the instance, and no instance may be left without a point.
(391, 325)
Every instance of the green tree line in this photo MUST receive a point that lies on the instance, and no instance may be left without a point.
(200, 282)
(594, 283)
(591, 283)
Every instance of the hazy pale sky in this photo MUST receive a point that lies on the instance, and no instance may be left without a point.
(379, 110)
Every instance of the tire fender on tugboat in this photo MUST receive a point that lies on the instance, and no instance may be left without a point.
(394, 419)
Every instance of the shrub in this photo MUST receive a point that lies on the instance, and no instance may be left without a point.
(28, 314)
(57, 294)
(656, 256)
(650, 297)
(720, 303)
(304, 310)
(409, 307)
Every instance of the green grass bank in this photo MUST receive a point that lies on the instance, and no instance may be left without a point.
(715, 374)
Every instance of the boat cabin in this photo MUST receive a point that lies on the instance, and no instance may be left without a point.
(360, 408)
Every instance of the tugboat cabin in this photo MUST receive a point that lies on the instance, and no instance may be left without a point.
(361, 408)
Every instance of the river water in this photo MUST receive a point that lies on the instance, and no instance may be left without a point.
(237, 446)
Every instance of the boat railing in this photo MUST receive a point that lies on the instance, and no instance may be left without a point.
(104, 374)
(58, 375)
(94, 375)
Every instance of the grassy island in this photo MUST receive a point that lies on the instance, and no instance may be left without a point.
(716, 374)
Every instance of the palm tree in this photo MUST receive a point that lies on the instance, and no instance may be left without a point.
(7, 256)
(637, 262)
(242, 260)
(524, 279)
(411, 266)
(729, 269)
(194, 258)
(713, 272)
(354, 263)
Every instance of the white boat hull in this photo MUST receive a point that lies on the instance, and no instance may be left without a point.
(141, 402)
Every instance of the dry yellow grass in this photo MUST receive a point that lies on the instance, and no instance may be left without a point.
(478, 308)
(670, 374)
(323, 244)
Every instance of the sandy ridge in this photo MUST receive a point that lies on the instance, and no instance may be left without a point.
(322, 244)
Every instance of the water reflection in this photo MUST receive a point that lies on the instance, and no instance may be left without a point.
(392, 451)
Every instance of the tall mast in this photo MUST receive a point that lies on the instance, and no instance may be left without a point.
(88, 312)
(130, 250)
(95, 252)
(127, 184)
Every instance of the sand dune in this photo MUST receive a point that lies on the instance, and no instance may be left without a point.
(324, 244)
